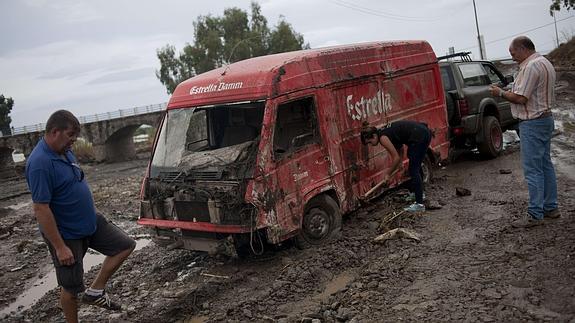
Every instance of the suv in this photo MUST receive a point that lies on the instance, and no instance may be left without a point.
(476, 118)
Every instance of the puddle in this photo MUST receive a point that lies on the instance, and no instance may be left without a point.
(19, 206)
(338, 283)
(18, 157)
(43, 285)
(510, 137)
(197, 319)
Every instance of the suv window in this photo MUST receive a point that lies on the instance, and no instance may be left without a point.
(493, 75)
(295, 127)
(447, 78)
(473, 74)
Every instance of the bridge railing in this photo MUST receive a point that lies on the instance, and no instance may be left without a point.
(94, 118)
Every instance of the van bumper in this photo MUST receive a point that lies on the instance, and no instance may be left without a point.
(195, 226)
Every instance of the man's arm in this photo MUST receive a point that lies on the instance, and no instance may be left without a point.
(395, 159)
(508, 95)
(46, 220)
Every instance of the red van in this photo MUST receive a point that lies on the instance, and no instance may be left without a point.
(269, 148)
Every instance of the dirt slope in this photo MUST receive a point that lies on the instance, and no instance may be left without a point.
(564, 55)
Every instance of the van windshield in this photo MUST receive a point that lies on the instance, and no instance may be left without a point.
(202, 137)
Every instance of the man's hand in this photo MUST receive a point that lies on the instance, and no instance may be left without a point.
(65, 256)
(386, 178)
(495, 90)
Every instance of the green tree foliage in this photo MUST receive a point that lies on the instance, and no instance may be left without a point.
(556, 5)
(222, 40)
(6, 105)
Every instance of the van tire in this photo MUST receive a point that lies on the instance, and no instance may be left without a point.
(492, 138)
(426, 170)
(321, 222)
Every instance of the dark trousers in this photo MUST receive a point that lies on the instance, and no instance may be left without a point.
(416, 154)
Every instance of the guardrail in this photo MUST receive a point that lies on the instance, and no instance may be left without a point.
(94, 118)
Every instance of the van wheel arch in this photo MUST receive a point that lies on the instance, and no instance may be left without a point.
(427, 168)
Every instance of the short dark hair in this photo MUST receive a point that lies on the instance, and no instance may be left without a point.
(524, 42)
(61, 120)
(367, 133)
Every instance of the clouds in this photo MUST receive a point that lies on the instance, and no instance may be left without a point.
(97, 56)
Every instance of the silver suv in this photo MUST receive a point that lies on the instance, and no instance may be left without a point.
(477, 119)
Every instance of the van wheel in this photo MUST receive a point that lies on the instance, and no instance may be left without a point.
(492, 143)
(321, 222)
(426, 170)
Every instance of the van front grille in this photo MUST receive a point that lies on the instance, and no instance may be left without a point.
(205, 175)
(172, 177)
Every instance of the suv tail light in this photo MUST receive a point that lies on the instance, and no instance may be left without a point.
(458, 131)
(463, 107)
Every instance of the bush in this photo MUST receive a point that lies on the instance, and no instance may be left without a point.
(83, 150)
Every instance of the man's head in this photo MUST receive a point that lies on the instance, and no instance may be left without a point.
(521, 48)
(369, 136)
(62, 130)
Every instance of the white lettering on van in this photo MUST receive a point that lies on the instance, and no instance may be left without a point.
(363, 108)
(299, 177)
(216, 87)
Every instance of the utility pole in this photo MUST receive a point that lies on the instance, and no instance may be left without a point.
(556, 34)
(478, 35)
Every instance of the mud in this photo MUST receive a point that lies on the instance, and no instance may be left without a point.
(470, 265)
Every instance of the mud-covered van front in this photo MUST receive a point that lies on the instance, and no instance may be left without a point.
(269, 149)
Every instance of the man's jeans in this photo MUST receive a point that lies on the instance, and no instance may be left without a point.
(537, 166)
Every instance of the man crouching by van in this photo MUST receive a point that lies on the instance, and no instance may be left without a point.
(416, 136)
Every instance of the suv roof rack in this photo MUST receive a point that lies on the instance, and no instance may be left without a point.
(463, 55)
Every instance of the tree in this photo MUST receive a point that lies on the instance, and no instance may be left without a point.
(556, 5)
(6, 105)
(223, 40)
(285, 39)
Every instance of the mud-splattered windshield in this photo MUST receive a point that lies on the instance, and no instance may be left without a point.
(198, 137)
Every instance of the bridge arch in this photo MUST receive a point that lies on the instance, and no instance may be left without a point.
(112, 139)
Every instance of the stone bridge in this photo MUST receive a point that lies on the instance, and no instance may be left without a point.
(111, 134)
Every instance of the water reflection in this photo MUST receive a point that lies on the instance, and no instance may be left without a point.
(44, 284)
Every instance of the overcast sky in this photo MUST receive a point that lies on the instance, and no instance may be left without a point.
(97, 56)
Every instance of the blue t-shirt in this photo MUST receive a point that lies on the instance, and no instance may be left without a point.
(58, 181)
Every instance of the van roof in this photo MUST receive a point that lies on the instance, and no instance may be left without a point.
(268, 76)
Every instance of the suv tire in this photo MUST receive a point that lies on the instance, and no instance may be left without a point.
(492, 138)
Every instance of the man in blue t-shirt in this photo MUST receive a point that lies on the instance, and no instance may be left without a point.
(69, 223)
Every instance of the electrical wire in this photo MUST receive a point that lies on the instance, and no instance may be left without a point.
(383, 14)
(514, 35)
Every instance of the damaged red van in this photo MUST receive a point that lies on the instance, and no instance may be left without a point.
(269, 148)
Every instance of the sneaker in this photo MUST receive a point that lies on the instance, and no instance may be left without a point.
(102, 301)
(415, 207)
(411, 197)
(553, 214)
(526, 222)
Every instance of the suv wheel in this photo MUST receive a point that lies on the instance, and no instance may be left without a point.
(492, 142)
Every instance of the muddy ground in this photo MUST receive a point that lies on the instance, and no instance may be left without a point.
(469, 264)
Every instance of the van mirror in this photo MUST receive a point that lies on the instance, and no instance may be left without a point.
(301, 140)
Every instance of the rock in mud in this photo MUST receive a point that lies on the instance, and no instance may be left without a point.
(460, 191)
